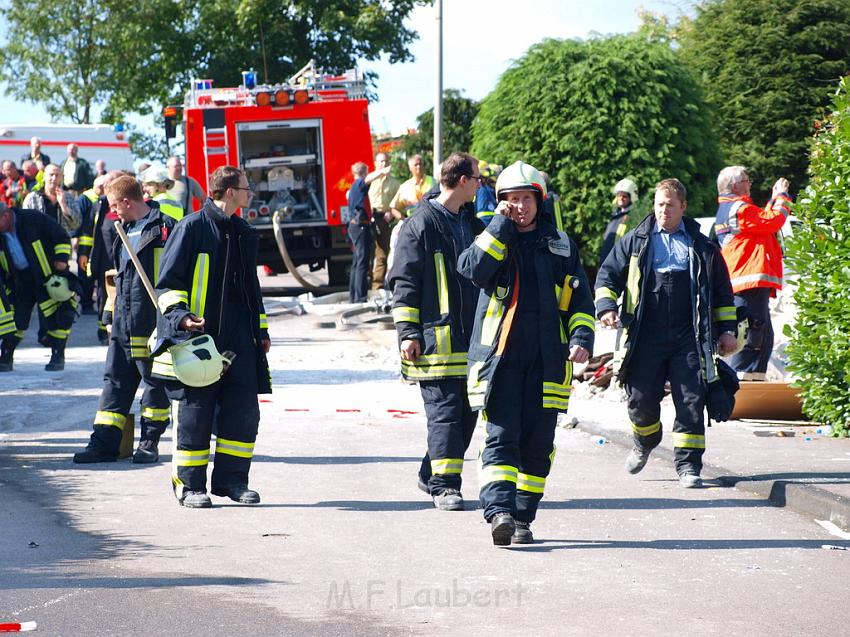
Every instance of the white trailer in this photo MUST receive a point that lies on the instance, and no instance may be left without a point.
(95, 141)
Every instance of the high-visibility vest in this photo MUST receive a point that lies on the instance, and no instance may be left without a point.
(169, 206)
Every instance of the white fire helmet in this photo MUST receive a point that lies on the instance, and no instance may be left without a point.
(626, 185)
(58, 288)
(197, 362)
(520, 176)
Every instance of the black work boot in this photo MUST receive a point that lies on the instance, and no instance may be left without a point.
(7, 352)
(147, 451)
(502, 528)
(92, 455)
(57, 359)
(196, 500)
(238, 493)
(523, 534)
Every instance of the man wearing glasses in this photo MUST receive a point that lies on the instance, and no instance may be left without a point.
(434, 311)
(747, 238)
(208, 284)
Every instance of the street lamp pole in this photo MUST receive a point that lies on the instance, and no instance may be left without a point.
(438, 98)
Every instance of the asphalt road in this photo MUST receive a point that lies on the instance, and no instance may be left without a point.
(343, 542)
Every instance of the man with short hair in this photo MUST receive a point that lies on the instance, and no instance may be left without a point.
(434, 310)
(77, 174)
(359, 229)
(381, 193)
(35, 153)
(677, 311)
(208, 285)
(185, 189)
(30, 170)
(99, 168)
(156, 183)
(102, 237)
(88, 203)
(748, 240)
(34, 252)
(14, 184)
(131, 319)
(410, 192)
(58, 204)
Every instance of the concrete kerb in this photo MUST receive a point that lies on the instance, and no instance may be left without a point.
(805, 499)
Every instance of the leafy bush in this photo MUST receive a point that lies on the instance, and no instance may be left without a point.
(818, 255)
(590, 113)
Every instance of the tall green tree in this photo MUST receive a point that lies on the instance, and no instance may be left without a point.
(590, 113)
(769, 68)
(458, 114)
(817, 256)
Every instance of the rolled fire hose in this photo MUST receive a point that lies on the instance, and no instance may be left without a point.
(279, 215)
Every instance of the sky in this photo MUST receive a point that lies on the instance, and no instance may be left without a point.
(481, 39)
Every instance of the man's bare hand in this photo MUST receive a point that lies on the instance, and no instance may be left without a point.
(610, 318)
(578, 354)
(60, 266)
(410, 350)
(726, 344)
(267, 345)
(192, 323)
(781, 185)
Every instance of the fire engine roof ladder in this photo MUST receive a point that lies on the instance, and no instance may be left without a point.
(215, 148)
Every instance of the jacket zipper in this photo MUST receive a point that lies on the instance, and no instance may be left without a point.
(224, 286)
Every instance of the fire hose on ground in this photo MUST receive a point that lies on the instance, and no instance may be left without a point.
(279, 216)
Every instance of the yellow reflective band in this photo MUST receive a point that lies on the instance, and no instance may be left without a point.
(632, 285)
(42, 258)
(485, 214)
(580, 319)
(447, 466)
(476, 388)
(157, 258)
(556, 403)
(169, 299)
(3, 263)
(442, 286)
(647, 430)
(405, 314)
(7, 327)
(605, 293)
(620, 231)
(435, 366)
(496, 473)
(234, 448)
(491, 245)
(532, 484)
(86, 241)
(110, 419)
(264, 322)
(492, 320)
(62, 335)
(139, 352)
(188, 458)
(558, 389)
(62, 248)
(162, 366)
(688, 441)
(443, 335)
(156, 413)
(200, 280)
(725, 313)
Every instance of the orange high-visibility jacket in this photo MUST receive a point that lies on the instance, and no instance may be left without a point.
(747, 236)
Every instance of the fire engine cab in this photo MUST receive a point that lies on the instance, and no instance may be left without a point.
(297, 142)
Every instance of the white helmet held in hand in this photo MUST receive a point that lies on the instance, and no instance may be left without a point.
(59, 288)
(197, 362)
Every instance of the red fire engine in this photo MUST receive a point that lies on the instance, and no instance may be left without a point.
(297, 142)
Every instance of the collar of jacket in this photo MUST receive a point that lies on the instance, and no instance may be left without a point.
(726, 197)
(214, 212)
(429, 201)
(616, 213)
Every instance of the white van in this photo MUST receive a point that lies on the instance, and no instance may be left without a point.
(95, 141)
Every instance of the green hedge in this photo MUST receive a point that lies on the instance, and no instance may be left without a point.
(819, 258)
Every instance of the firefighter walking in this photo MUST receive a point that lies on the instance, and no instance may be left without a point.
(433, 310)
(534, 319)
(131, 317)
(210, 299)
(677, 311)
(34, 259)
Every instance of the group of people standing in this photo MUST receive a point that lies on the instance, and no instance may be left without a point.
(492, 318)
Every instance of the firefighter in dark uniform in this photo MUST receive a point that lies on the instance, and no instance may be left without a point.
(208, 283)
(89, 204)
(102, 239)
(34, 254)
(131, 316)
(433, 309)
(677, 310)
(534, 319)
(7, 317)
(625, 197)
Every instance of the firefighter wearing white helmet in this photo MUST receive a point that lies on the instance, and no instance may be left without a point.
(625, 194)
(533, 320)
(157, 183)
(210, 299)
(34, 250)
